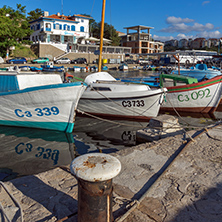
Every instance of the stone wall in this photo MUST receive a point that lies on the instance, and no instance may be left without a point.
(50, 51)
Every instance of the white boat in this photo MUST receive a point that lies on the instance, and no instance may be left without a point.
(38, 101)
(186, 94)
(123, 67)
(76, 68)
(105, 96)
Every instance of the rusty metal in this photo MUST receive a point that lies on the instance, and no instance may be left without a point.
(95, 201)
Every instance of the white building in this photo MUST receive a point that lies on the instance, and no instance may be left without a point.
(58, 28)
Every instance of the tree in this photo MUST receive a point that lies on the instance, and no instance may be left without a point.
(109, 33)
(35, 14)
(13, 27)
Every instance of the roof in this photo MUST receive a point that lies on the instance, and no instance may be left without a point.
(62, 17)
(142, 27)
(68, 18)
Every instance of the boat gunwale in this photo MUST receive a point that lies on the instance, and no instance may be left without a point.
(45, 87)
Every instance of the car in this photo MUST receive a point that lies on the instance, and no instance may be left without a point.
(79, 61)
(63, 61)
(17, 60)
(40, 60)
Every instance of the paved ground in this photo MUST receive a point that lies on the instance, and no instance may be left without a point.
(181, 182)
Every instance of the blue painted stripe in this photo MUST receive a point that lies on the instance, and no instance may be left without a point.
(58, 126)
(53, 86)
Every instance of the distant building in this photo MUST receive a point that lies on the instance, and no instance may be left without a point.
(120, 33)
(141, 41)
(183, 43)
(60, 28)
(213, 42)
(197, 43)
(172, 42)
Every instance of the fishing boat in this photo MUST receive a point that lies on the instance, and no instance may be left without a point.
(107, 97)
(199, 71)
(24, 68)
(123, 67)
(186, 94)
(49, 67)
(38, 101)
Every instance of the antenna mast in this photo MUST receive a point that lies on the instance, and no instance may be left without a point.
(62, 7)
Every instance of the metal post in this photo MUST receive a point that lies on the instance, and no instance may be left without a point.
(94, 173)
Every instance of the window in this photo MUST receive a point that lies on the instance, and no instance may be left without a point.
(68, 27)
(82, 20)
(64, 27)
(73, 28)
(81, 29)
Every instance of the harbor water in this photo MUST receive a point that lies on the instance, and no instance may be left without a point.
(30, 151)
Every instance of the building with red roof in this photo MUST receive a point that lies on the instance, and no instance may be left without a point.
(59, 28)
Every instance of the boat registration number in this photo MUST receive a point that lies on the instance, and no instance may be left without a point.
(42, 152)
(37, 112)
(133, 103)
(194, 95)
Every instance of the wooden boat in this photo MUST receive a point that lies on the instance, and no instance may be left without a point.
(186, 94)
(200, 71)
(38, 101)
(107, 97)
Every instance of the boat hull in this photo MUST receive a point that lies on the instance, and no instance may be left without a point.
(202, 97)
(49, 107)
(141, 105)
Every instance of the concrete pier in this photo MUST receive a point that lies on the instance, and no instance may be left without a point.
(173, 179)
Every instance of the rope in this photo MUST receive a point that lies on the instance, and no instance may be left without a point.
(102, 119)
(136, 203)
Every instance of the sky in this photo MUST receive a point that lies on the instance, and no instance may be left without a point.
(171, 19)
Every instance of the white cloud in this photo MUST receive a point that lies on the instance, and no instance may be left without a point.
(183, 28)
(176, 20)
(183, 36)
(167, 38)
(205, 2)
(205, 34)
(162, 38)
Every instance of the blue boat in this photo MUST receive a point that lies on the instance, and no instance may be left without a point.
(33, 68)
(49, 68)
(104, 68)
(200, 72)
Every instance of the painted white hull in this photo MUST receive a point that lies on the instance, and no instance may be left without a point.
(41, 107)
(201, 97)
(135, 104)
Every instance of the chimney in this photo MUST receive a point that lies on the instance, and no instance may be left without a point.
(46, 13)
(58, 14)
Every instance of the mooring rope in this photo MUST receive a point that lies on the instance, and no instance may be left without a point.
(138, 202)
